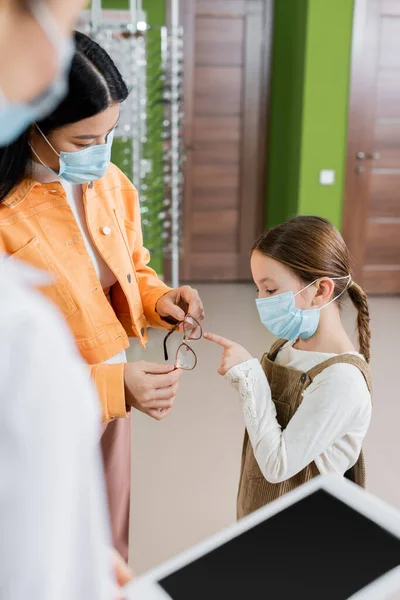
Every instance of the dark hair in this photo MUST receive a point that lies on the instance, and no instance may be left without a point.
(94, 84)
(311, 247)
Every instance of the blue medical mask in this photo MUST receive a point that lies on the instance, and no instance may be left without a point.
(281, 317)
(15, 117)
(84, 165)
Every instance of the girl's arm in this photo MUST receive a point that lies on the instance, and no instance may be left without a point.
(336, 403)
(332, 407)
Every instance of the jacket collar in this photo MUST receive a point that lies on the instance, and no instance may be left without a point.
(22, 190)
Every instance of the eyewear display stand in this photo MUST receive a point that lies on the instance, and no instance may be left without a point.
(328, 539)
(148, 138)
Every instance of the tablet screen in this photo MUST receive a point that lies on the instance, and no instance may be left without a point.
(317, 548)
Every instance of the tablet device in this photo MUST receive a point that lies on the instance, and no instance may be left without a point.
(327, 539)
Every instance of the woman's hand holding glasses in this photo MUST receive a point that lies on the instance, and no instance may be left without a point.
(151, 388)
(178, 303)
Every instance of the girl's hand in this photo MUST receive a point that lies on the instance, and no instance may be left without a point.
(232, 355)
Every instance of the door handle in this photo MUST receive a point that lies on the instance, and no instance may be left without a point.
(368, 156)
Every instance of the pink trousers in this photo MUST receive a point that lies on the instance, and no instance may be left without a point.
(116, 449)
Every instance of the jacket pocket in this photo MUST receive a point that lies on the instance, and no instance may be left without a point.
(57, 292)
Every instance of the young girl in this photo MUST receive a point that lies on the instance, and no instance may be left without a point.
(307, 407)
(65, 209)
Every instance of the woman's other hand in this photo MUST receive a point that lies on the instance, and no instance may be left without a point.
(178, 303)
(232, 354)
(123, 574)
(151, 388)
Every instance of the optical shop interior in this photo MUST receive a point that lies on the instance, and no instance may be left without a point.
(202, 201)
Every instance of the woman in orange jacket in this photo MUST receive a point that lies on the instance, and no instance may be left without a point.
(64, 208)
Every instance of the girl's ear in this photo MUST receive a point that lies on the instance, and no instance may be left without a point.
(324, 292)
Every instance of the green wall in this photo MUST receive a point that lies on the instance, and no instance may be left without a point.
(153, 150)
(309, 102)
(155, 9)
(286, 109)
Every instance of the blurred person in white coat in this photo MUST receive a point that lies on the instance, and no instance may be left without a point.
(55, 542)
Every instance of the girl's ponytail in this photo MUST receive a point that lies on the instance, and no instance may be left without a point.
(359, 299)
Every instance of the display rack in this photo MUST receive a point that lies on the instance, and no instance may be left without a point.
(148, 143)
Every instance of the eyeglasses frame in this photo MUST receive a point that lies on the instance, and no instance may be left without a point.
(185, 337)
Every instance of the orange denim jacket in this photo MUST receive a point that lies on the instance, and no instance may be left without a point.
(37, 226)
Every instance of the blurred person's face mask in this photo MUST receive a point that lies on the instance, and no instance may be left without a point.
(82, 166)
(280, 315)
(15, 117)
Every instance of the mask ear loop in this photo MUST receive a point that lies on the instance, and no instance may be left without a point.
(306, 288)
(350, 281)
(37, 155)
(46, 140)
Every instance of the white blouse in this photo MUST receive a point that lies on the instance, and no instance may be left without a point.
(328, 427)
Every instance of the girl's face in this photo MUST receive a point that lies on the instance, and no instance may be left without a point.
(273, 278)
(77, 136)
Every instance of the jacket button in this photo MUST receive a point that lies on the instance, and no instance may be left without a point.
(106, 230)
(303, 378)
(142, 332)
(129, 277)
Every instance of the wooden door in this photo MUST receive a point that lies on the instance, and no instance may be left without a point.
(227, 47)
(372, 200)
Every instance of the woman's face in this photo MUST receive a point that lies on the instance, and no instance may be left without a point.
(33, 61)
(273, 278)
(77, 136)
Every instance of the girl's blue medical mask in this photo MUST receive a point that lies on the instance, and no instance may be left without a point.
(84, 165)
(15, 117)
(283, 319)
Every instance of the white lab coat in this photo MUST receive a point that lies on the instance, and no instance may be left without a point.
(54, 535)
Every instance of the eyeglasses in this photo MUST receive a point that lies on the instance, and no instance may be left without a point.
(185, 358)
